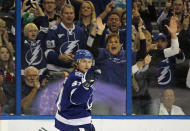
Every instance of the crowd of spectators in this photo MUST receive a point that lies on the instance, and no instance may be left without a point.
(53, 30)
(7, 58)
(160, 60)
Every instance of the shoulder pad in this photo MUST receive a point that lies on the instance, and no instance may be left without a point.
(79, 74)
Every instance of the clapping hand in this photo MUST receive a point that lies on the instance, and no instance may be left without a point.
(66, 57)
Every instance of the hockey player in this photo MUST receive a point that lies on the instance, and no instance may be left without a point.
(33, 44)
(74, 102)
(63, 41)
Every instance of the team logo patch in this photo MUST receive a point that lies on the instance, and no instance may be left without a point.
(165, 76)
(69, 47)
(34, 56)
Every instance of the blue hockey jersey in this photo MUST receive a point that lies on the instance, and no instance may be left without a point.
(62, 40)
(33, 51)
(74, 104)
(165, 69)
(113, 67)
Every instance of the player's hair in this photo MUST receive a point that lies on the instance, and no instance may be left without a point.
(112, 35)
(93, 15)
(75, 65)
(67, 6)
(28, 27)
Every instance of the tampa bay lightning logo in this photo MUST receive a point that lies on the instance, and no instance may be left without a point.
(165, 75)
(69, 47)
(34, 56)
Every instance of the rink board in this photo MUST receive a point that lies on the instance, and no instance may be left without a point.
(101, 125)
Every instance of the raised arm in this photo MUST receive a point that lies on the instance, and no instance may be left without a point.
(93, 48)
(24, 7)
(106, 11)
(9, 45)
(174, 48)
(41, 13)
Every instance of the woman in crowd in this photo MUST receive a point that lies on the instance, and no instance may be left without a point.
(7, 70)
(4, 38)
(111, 60)
(87, 15)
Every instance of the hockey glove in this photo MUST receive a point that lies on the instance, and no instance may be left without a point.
(91, 76)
